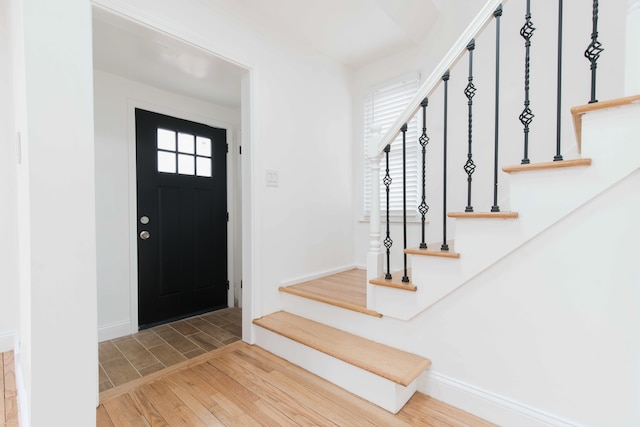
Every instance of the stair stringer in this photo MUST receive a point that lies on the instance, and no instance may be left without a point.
(541, 198)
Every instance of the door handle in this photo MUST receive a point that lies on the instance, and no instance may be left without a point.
(144, 235)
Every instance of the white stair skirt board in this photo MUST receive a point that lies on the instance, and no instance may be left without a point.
(114, 330)
(377, 390)
(484, 404)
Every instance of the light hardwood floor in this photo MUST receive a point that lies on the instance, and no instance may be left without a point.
(243, 385)
(8, 397)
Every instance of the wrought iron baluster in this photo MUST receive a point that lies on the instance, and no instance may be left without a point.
(495, 208)
(558, 156)
(424, 140)
(403, 129)
(526, 117)
(593, 51)
(387, 240)
(445, 246)
(470, 91)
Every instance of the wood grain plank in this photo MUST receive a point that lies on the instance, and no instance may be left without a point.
(395, 282)
(242, 397)
(123, 412)
(347, 290)
(102, 417)
(578, 111)
(395, 365)
(198, 408)
(548, 165)
(483, 215)
(314, 389)
(258, 381)
(9, 375)
(2, 416)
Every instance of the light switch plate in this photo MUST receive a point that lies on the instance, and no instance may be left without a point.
(272, 178)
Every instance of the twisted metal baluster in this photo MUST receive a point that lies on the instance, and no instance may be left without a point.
(558, 156)
(470, 91)
(526, 117)
(445, 246)
(403, 129)
(424, 140)
(495, 208)
(593, 51)
(387, 240)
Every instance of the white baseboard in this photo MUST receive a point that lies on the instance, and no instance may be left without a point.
(114, 330)
(492, 407)
(21, 390)
(317, 275)
(7, 341)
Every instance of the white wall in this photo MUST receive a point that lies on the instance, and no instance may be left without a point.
(115, 99)
(301, 127)
(56, 199)
(8, 204)
(556, 324)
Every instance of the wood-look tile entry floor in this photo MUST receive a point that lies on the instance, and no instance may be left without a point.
(134, 356)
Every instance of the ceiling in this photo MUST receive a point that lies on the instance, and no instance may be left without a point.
(353, 32)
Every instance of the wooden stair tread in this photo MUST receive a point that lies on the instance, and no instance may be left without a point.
(579, 110)
(484, 215)
(395, 282)
(346, 290)
(387, 362)
(433, 250)
(547, 165)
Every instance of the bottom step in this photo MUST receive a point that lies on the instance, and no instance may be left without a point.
(378, 373)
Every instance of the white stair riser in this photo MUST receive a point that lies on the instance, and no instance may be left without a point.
(380, 391)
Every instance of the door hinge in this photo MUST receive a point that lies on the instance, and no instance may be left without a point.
(240, 149)
(227, 147)
(240, 284)
(227, 285)
(227, 216)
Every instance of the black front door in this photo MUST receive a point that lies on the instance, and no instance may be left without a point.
(182, 218)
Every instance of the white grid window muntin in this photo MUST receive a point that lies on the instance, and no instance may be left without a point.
(382, 107)
(192, 155)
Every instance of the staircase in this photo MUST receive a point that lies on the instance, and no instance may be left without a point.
(371, 338)
(341, 340)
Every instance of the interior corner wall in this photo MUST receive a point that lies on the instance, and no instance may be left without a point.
(9, 278)
(114, 100)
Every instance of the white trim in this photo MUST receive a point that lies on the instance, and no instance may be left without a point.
(114, 330)
(485, 404)
(314, 276)
(21, 390)
(7, 341)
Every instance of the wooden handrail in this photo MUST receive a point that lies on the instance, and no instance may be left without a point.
(429, 86)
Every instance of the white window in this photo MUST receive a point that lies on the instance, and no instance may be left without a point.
(383, 106)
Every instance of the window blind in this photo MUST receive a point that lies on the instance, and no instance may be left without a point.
(382, 106)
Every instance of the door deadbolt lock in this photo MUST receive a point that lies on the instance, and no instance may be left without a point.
(144, 220)
(144, 235)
